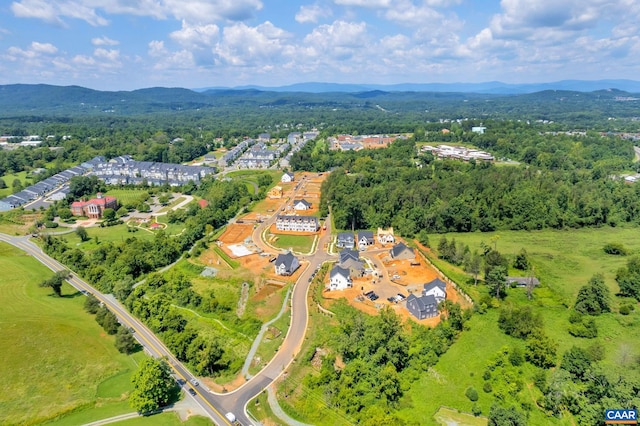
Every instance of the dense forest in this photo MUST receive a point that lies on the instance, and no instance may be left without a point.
(561, 182)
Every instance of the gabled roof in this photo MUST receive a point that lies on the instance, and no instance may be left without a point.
(291, 175)
(286, 260)
(345, 236)
(423, 302)
(435, 283)
(365, 234)
(347, 254)
(337, 270)
(303, 201)
(399, 248)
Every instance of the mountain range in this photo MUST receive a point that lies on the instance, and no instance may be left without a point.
(490, 87)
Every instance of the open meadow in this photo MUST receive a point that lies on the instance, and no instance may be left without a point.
(56, 358)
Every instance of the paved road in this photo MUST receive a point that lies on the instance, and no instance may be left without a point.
(214, 404)
(153, 345)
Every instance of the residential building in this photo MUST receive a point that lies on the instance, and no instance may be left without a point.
(297, 223)
(522, 281)
(385, 236)
(350, 260)
(287, 177)
(422, 307)
(286, 264)
(401, 252)
(95, 207)
(339, 278)
(436, 288)
(301, 205)
(365, 239)
(345, 240)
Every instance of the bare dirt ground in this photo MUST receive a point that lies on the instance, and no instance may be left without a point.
(236, 234)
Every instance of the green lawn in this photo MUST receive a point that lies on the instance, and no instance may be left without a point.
(8, 180)
(115, 234)
(166, 419)
(172, 204)
(297, 243)
(55, 356)
(126, 196)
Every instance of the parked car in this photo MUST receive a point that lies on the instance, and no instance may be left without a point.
(401, 297)
(374, 297)
(369, 293)
(392, 299)
(192, 391)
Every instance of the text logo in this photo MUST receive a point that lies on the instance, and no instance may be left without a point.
(621, 417)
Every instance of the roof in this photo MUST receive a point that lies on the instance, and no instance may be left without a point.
(337, 270)
(423, 302)
(303, 201)
(345, 236)
(97, 201)
(523, 280)
(347, 254)
(435, 283)
(365, 234)
(291, 175)
(286, 260)
(399, 248)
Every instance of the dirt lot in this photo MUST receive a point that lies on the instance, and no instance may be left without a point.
(236, 234)
(411, 279)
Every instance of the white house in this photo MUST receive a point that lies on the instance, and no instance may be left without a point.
(385, 236)
(286, 264)
(339, 278)
(287, 177)
(301, 204)
(436, 288)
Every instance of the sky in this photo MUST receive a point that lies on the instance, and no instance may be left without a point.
(132, 44)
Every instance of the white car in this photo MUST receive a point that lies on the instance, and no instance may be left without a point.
(231, 417)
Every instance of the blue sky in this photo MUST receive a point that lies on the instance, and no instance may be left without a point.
(130, 44)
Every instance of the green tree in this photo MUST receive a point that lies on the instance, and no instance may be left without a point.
(496, 280)
(521, 261)
(519, 321)
(471, 393)
(64, 213)
(541, 350)
(122, 211)
(506, 416)
(109, 214)
(82, 233)
(153, 386)
(107, 320)
(576, 361)
(628, 278)
(3, 184)
(593, 298)
(91, 304)
(125, 342)
(16, 185)
(55, 282)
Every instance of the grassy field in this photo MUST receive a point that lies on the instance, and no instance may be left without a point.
(8, 180)
(56, 358)
(563, 261)
(166, 419)
(115, 234)
(126, 196)
(297, 243)
(447, 416)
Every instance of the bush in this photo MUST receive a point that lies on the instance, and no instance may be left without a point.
(626, 309)
(615, 249)
(476, 410)
(487, 387)
(575, 317)
(471, 393)
(50, 224)
(586, 329)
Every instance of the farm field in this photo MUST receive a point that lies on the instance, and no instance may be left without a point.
(56, 358)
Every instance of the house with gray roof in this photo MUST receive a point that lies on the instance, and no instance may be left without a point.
(286, 264)
(350, 260)
(422, 307)
(345, 240)
(400, 252)
(436, 288)
(365, 239)
(339, 278)
(301, 204)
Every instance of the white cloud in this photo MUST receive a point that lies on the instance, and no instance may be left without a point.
(312, 14)
(195, 36)
(104, 41)
(365, 3)
(262, 45)
(53, 12)
(195, 11)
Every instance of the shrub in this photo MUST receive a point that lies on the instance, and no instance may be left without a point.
(575, 317)
(615, 249)
(625, 309)
(471, 393)
(476, 410)
(487, 387)
(586, 329)
(50, 224)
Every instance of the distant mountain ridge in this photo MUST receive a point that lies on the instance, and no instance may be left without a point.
(490, 87)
